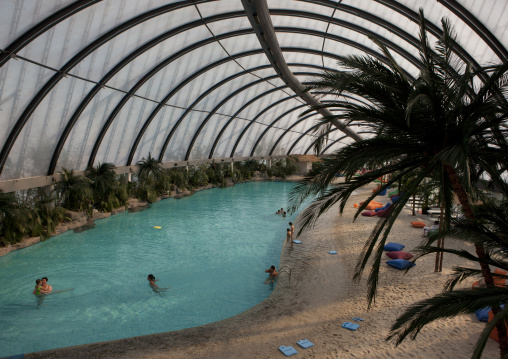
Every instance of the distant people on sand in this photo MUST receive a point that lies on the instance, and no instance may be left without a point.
(288, 235)
(292, 227)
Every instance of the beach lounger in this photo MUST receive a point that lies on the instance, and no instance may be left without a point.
(393, 247)
(287, 351)
(400, 264)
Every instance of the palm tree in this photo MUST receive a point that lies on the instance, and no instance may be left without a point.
(149, 166)
(15, 221)
(103, 183)
(490, 228)
(73, 191)
(438, 126)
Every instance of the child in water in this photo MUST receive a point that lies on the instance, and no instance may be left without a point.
(38, 286)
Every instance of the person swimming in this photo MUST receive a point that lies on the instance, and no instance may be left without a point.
(155, 287)
(272, 275)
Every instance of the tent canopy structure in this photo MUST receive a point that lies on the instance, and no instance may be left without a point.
(195, 81)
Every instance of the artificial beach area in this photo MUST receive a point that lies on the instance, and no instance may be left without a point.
(313, 304)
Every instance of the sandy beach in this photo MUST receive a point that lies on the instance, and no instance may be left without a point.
(313, 304)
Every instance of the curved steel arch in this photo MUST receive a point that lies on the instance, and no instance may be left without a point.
(74, 61)
(41, 27)
(146, 77)
(90, 48)
(58, 17)
(208, 91)
(295, 123)
(124, 62)
(477, 26)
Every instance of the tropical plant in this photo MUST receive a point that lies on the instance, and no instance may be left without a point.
(490, 228)
(103, 183)
(441, 125)
(149, 167)
(15, 220)
(73, 191)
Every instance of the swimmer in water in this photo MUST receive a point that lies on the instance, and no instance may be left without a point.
(155, 287)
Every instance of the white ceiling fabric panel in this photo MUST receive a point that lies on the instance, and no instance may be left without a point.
(18, 16)
(106, 57)
(37, 102)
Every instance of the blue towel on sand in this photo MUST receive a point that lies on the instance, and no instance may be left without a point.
(297, 241)
(305, 343)
(333, 252)
(350, 326)
(287, 351)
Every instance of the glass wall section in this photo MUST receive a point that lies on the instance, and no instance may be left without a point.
(109, 55)
(123, 131)
(36, 142)
(19, 81)
(78, 147)
(182, 137)
(157, 131)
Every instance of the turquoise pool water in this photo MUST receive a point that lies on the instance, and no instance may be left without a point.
(211, 251)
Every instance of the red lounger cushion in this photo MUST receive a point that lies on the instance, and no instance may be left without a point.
(418, 224)
(399, 255)
(369, 213)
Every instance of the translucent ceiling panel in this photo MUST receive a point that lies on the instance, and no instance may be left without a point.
(306, 6)
(239, 44)
(229, 24)
(19, 82)
(253, 61)
(198, 86)
(36, 142)
(266, 144)
(205, 140)
(60, 43)
(156, 133)
(299, 40)
(19, 16)
(299, 22)
(78, 146)
(492, 14)
(177, 147)
(123, 131)
(106, 57)
(212, 8)
(302, 58)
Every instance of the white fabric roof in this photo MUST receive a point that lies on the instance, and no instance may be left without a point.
(92, 81)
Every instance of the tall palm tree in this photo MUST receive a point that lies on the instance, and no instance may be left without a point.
(102, 181)
(73, 191)
(490, 228)
(441, 125)
(149, 166)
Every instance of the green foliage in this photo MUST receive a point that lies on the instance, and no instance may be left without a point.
(103, 183)
(73, 192)
(198, 176)
(15, 221)
(149, 167)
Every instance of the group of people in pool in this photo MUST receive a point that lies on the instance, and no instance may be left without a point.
(42, 287)
(272, 271)
(281, 212)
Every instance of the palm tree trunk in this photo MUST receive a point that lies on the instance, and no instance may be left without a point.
(480, 252)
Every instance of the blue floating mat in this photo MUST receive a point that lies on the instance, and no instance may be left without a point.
(400, 264)
(350, 326)
(287, 351)
(297, 241)
(305, 343)
(333, 252)
(358, 319)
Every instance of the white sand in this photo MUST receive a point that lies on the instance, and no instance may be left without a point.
(319, 297)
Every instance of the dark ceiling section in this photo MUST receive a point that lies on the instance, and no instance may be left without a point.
(330, 18)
